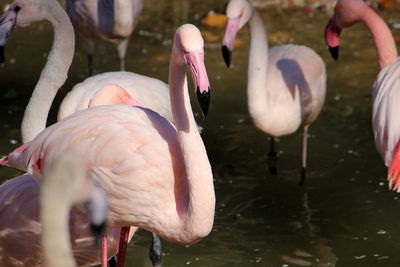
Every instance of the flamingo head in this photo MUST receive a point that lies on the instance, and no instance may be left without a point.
(97, 209)
(112, 94)
(347, 12)
(239, 13)
(21, 13)
(191, 46)
(332, 33)
(7, 24)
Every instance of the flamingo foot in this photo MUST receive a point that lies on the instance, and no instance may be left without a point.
(123, 244)
(155, 251)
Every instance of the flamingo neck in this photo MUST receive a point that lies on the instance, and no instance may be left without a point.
(257, 70)
(201, 199)
(382, 36)
(52, 76)
(54, 214)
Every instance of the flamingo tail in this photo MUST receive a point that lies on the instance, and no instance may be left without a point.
(394, 170)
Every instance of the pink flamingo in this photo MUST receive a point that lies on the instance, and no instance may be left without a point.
(286, 84)
(19, 196)
(109, 20)
(386, 95)
(156, 176)
(103, 89)
(66, 184)
(35, 117)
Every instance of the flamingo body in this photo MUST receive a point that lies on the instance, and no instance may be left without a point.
(119, 151)
(297, 76)
(385, 111)
(148, 92)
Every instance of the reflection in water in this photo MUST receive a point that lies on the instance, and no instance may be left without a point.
(318, 253)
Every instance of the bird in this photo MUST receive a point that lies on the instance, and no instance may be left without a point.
(65, 185)
(107, 20)
(102, 89)
(385, 93)
(286, 84)
(50, 80)
(156, 174)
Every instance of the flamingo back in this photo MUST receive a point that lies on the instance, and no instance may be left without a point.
(149, 92)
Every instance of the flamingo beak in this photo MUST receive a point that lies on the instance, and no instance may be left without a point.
(195, 62)
(332, 37)
(97, 209)
(7, 24)
(232, 28)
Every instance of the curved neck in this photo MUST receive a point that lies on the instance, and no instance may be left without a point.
(54, 214)
(382, 36)
(257, 69)
(52, 76)
(198, 170)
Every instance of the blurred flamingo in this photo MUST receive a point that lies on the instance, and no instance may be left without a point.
(386, 93)
(156, 176)
(286, 84)
(65, 184)
(108, 20)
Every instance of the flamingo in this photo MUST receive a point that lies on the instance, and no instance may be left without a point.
(102, 89)
(156, 175)
(385, 92)
(286, 84)
(19, 196)
(108, 20)
(50, 80)
(66, 184)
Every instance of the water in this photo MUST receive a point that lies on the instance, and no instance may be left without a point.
(343, 216)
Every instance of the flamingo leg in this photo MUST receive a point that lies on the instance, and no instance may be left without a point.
(123, 244)
(272, 157)
(304, 156)
(113, 261)
(104, 250)
(122, 47)
(90, 64)
(155, 251)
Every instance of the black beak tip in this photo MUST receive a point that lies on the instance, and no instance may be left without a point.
(2, 57)
(98, 231)
(334, 52)
(226, 53)
(204, 100)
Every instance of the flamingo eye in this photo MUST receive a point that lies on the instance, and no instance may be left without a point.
(125, 98)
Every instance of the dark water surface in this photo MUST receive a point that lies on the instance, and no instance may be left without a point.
(343, 216)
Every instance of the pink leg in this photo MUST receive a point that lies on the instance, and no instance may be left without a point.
(104, 250)
(123, 245)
